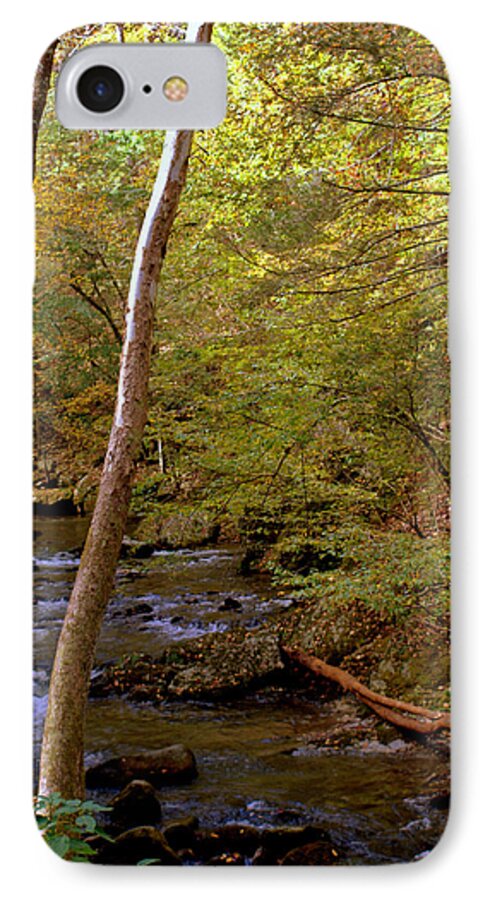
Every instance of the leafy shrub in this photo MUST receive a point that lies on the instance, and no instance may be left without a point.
(394, 574)
(304, 554)
(67, 825)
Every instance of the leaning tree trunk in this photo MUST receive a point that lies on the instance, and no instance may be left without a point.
(62, 767)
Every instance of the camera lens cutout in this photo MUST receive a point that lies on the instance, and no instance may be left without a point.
(100, 89)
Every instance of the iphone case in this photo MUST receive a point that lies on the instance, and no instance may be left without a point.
(241, 460)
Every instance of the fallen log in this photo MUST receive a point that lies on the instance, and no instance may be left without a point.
(421, 720)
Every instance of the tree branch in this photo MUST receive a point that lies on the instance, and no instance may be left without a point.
(100, 309)
(421, 720)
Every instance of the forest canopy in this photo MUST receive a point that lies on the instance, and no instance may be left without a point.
(299, 385)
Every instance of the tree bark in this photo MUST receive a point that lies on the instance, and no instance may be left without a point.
(41, 87)
(421, 720)
(62, 768)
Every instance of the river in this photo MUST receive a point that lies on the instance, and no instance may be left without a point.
(253, 762)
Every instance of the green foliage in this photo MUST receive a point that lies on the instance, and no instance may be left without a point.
(149, 492)
(398, 575)
(67, 825)
(299, 385)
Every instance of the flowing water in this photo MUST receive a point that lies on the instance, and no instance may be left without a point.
(253, 762)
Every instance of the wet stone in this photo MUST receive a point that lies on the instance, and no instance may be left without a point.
(230, 664)
(319, 853)
(261, 846)
(138, 844)
(230, 604)
(227, 838)
(440, 801)
(137, 804)
(170, 765)
(142, 693)
(132, 549)
(181, 834)
(138, 609)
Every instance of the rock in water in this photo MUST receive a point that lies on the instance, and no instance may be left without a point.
(263, 846)
(137, 844)
(170, 765)
(320, 853)
(231, 663)
(137, 804)
(131, 549)
(138, 609)
(181, 834)
(230, 603)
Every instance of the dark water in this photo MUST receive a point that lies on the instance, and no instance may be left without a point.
(254, 766)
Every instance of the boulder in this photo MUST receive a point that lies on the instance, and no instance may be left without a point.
(230, 663)
(319, 853)
(142, 693)
(138, 844)
(263, 846)
(281, 840)
(440, 801)
(170, 765)
(226, 839)
(230, 604)
(181, 834)
(138, 609)
(214, 666)
(137, 804)
(132, 549)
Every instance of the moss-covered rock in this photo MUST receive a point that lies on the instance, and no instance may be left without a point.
(219, 665)
(231, 663)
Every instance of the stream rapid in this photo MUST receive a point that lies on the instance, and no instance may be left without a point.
(255, 765)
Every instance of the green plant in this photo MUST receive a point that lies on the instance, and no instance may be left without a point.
(396, 575)
(67, 825)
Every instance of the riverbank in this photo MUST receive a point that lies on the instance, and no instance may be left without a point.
(409, 662)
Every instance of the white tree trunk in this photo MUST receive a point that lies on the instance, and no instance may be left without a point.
(62, 766)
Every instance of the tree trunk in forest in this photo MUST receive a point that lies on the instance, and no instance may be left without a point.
(41, 87)
(421, 720)
(62, 768)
